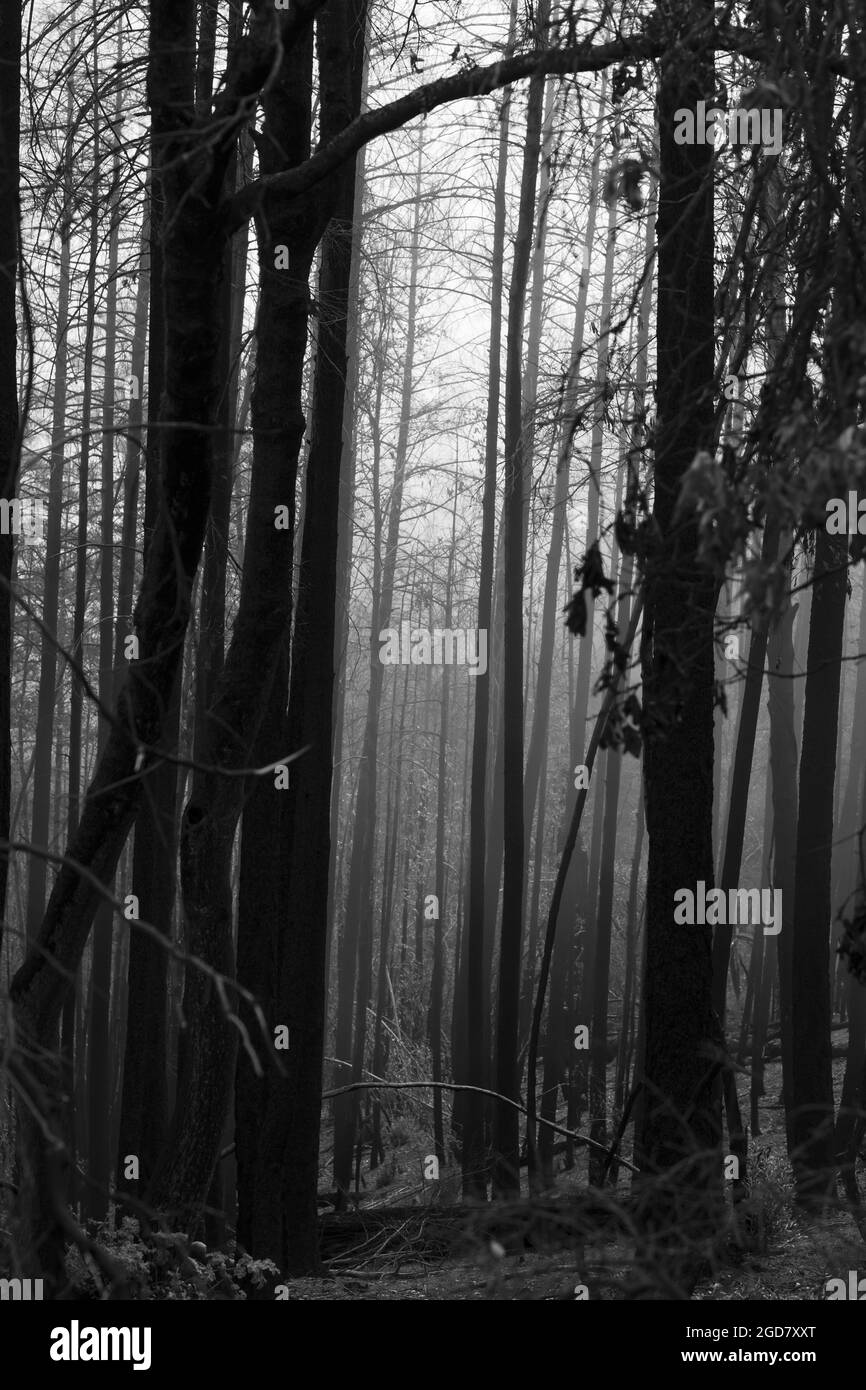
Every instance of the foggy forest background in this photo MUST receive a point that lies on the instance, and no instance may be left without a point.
(323, 327)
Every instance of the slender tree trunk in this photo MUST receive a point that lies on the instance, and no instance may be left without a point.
(783, 775)
(846, 875)
(347, 512)
(438, 977)
(358, 913)
(541, 710)
(811, 1075)
(740, 779)
(36, 868)
(377, 1151)
(628, 989)
(100, 1087)
(852, 1102)
(506, 1121)
(604, 917)
(10, 125)
(473, 1155)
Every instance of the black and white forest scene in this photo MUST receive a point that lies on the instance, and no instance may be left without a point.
(432, 665)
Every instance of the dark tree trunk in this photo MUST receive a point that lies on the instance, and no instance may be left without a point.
(680, 1122)
(144, 1107)
(507, 1120)
(10, 122)
(437, 985)
(740, 779)
(377, 1151)
(37, 867)
(192, 263)
(358, 916)
(283, 1220)
(783, 778)
(811, 1118)
(476, 1004)
(100, 1067)
(211, 814)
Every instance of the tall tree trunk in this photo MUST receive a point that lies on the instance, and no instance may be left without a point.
(241, 693)
(37, 867)
(783, 777)
(284, 1218)
(846, 871)
(473, 1072)
(100, 958)
(144, 1107)
(358, 913)
(438, 977)
(541, 709)
(628, 989)
(680, 1122)
(851, 1117)
(192, 260)
(740, 779)
(604, 913)
(811, 1075)
(100, 1088)
(347, 512)
(377, 1151)
(10, 125)
(506, 1117)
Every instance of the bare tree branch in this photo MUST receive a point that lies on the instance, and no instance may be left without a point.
(474, 82)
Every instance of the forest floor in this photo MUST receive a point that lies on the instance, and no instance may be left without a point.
(794, 1258)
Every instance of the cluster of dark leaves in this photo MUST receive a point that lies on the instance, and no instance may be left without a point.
(624, 178)
(852, 947)
(630, 524)
(624, 81)
(589, 575)
(623, 726)
(708, 496)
